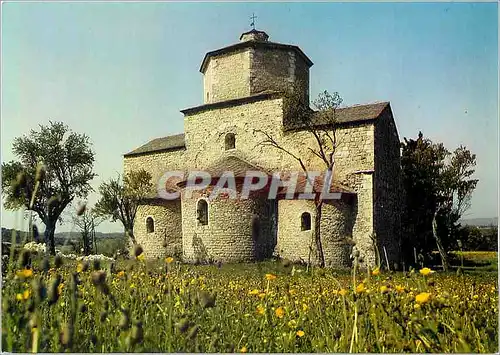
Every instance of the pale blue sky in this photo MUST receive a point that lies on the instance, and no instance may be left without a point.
(120, 72)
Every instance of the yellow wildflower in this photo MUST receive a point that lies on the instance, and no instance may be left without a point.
(254, 292)
(280, 312)
(141, 257)
(400, 288)
(270, 277)
(360, 288)
(26, 294)
(79, 267)
(300, 333)
(132, 285)
(120, 274)
(343, 292)
(260, 310)
(169, 260)
(60, 288)
(376, 271)
(262, 295)
(243, 349)
(25, 273)
(304, 307)
(426, 271)
(422, 297)
(384, 289)
(19, 297)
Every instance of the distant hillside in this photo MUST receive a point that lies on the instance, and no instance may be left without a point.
(480, 222)
(7, 235)
(78, 236)
(71, 242)
(60, 238)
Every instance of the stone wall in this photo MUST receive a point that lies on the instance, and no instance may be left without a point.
(355, 151)
(336, 226)
(251, 71)
(354, 164)
(363, 211)
(276, 70)
(387, 187)
(229, 235)
(166, 239)
(227, 77)
(205, 134)
(156, 163)
(206, 131)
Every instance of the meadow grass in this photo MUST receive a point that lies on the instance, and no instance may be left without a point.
(167, 306)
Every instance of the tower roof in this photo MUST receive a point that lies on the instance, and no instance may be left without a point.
(254, 35)
(253, 39)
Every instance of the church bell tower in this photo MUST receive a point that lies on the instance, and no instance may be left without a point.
(252, 66)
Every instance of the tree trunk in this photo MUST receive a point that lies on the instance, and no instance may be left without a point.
(50, 228)
(86, 242)
(442, 252)
(130, 234)
(93, 244)
(131, 242)
(317, 233)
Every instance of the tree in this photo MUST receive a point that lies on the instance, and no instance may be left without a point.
(322, 126)
(120, 200)
(438, 188)
(86, 220)
(55, 166)
(479, 238)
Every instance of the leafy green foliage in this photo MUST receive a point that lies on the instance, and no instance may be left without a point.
(54, 166)
(438, 186)
(479, 238)
(120, 200)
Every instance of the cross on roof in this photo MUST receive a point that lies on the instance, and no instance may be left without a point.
(253, 17)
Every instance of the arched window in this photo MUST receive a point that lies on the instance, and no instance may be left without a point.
(202, 212)
(230, 141)
(150, 225)
(305, 221)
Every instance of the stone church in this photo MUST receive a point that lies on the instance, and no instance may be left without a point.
(243, 86)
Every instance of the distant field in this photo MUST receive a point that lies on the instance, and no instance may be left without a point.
(165, 306)
(478, 260)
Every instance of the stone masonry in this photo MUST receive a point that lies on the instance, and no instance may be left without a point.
(243, 95)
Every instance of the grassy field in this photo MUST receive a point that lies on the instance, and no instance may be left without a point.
(165, 306)
(477, 261)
